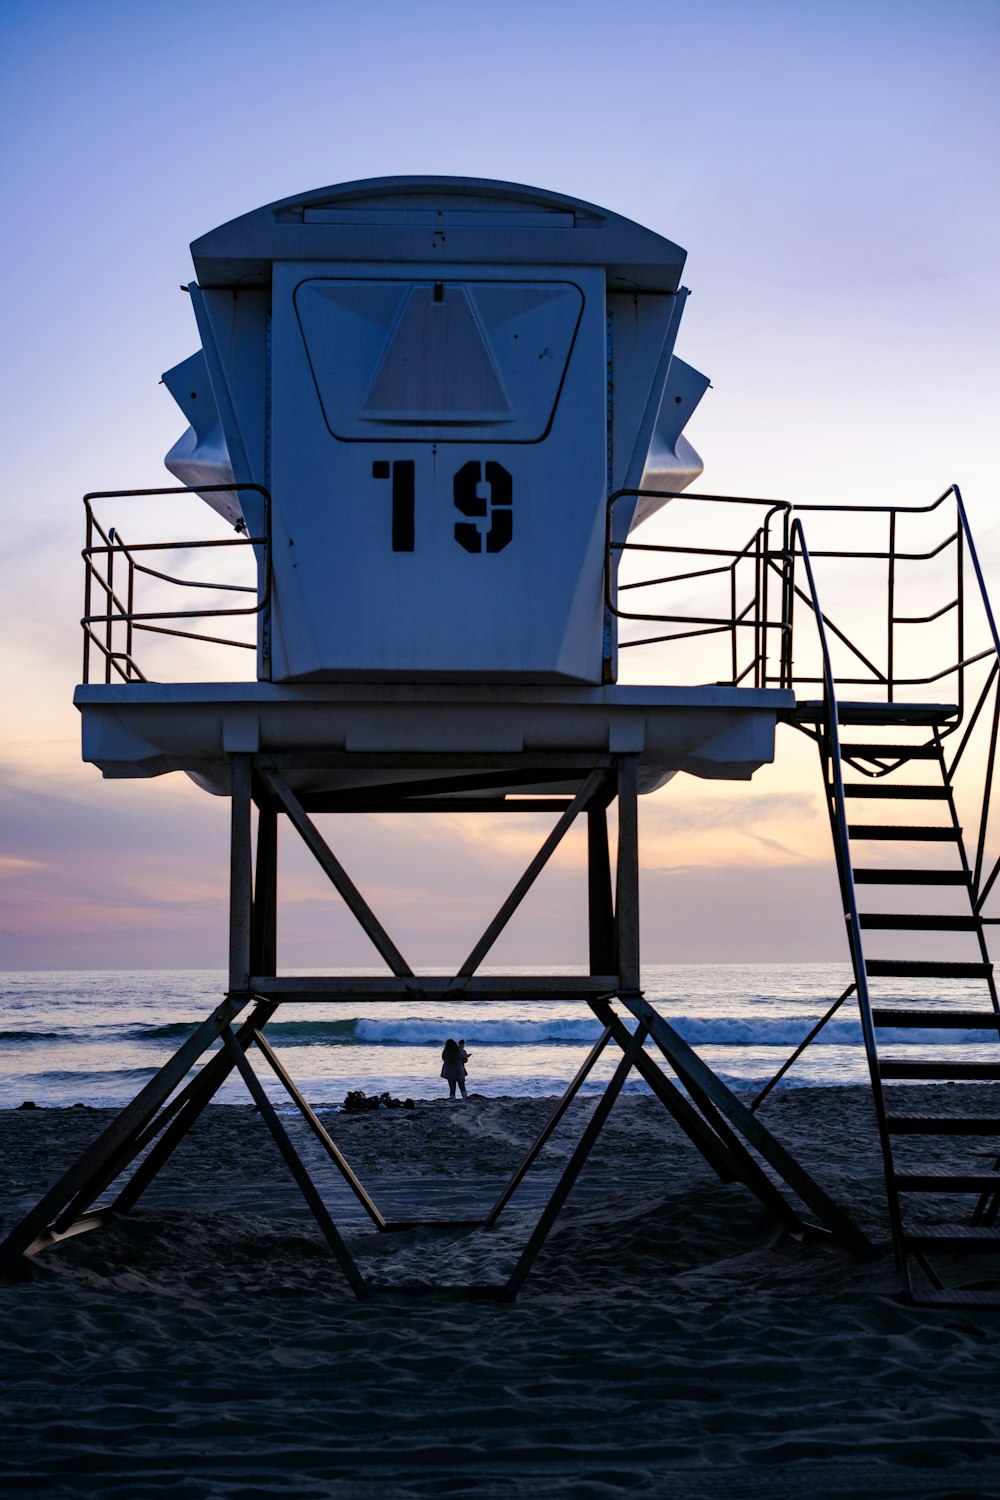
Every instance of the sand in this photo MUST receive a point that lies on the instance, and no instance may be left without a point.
(672, 1341)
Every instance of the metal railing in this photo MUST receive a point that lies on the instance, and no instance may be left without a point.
(888, 679)
(756, 576)
(747, 571)
(112, 568)
(978, 770)
(763, 590)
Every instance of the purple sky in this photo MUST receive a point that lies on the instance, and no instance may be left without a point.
(831, 169)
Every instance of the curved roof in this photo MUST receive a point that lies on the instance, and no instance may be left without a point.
(437, 220)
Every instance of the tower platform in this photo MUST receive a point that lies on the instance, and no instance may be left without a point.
(147, 729)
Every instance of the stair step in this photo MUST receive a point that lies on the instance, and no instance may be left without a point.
(891, 1067)
(959, 1020)
(911, 877)
(913, 968)
(908, 922)
(903, 831)
(888, 789)
(942, 1124)
(957, 1238)
(959, 1182)
(889, 752)
(895, 713)
(885, 715)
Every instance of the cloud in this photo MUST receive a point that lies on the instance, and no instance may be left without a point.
(715, 831)
(11, 868)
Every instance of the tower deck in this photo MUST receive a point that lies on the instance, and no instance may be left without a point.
(147, 729)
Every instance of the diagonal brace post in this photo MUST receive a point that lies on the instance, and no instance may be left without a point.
(715, 1151)
(90, 1167)
(575, 1165)
(182, 1114)
(334, 870)
(319, 1130)
(296, 1165)
(741, 1163)
(589, 788)
(586, 1067)
(688, 1066)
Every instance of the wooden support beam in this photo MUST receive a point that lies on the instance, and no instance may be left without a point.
(601, 914)
(90, 1167)
(749, 1170)
(695, 1127)
(444, 762)
(240, 876)
(296, 1166)
(583, 1072)
(627, 902)
(575, 1165)
(173, 1124)
(319, 1130)
(399, 793)
(690, 1069)
(592, 784)
(264, 954)
(337, 988)
(321, 802)
(334, 870)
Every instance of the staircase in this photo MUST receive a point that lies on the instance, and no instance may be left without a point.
(913, 899)
(914, 883)
(924, 1015)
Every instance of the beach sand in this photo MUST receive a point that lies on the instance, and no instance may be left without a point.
(671, 1341)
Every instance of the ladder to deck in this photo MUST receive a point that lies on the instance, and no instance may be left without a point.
(903, 859)
(890, 797)
(911, 895)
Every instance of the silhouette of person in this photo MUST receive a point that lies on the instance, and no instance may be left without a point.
(453, 1060)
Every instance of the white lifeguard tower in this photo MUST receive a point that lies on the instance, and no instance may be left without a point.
(436, 409)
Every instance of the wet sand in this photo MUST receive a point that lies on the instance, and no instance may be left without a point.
(671, 1340)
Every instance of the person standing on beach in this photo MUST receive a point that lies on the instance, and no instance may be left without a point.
(453, 1060)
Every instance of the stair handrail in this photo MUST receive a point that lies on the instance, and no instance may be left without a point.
(976, 565)
(962, 538)
(981, 887)
(845, 871)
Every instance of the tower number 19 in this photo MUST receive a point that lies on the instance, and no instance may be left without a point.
(482, 491)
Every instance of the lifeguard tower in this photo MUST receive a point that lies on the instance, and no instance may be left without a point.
(435, 409)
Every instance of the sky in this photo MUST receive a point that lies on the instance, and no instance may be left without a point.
(831, 170)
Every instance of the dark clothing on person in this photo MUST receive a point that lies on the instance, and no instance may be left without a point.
(453, 1060)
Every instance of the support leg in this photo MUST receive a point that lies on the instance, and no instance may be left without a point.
(85, 1177)
(591, 786)
(575, 1164)
(601, 909)
(240, 877)
(695, 1074)
(584, 1070)
(627, 903)
(296, 1166)
(701, 1135)
(319, 1130)
(197, 1096)
(263, 947)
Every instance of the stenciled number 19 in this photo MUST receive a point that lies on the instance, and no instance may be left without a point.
(482, 489)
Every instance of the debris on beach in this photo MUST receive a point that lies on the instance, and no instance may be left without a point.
(356, 1101)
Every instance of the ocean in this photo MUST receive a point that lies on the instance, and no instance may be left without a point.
(96, 1037)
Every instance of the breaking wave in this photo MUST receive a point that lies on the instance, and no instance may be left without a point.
(699, 1031)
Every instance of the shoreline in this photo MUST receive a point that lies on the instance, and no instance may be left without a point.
(670, 1340)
